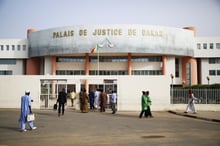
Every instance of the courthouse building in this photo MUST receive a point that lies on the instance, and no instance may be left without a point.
(128, 59)
(133, 50)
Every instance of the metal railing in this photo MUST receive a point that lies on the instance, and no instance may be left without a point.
(205, 96)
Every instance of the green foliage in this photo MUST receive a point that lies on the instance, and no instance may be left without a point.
(205, 86)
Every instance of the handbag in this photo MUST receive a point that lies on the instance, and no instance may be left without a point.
(55, 106)
(30, 117)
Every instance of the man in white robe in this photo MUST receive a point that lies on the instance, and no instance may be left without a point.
(25, 111)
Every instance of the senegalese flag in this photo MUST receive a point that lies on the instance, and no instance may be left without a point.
(95, 49)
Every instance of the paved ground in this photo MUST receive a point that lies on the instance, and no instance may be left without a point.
(213, 116)
(124, 128)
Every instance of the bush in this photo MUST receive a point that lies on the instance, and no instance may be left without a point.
(212, 86)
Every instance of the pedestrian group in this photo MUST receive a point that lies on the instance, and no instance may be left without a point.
(94, 100)
(145, 105)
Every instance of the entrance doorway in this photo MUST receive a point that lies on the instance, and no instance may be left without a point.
(50, 88)
(107, 86)
(49, 91)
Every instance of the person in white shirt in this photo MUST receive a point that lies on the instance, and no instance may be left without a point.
(97, 99)
(191, 102)
(114, 102)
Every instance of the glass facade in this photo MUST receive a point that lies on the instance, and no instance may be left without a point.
(7, 61)
(113, 59)
(5, 72)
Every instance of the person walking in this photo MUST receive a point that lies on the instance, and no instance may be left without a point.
(97, 98)
(103, 98)
(191, 102)
(143, 105)
(62, 101)
(25, 111)
(114, 102)
(148, 111)
(72, 97)
(91, 99)
(84, 99)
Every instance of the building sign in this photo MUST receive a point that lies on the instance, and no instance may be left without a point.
(120, 39)
(109, 32)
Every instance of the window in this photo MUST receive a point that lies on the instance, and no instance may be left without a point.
(218, 72)
(214, 60)
(146, 59)
(109, 59)
(146, 72)
(70, 72)
(212, 72)
(198, 46)
(2, 47)
(211, 46)
(217, 45)
(70, 59)
(19, 47)
(176, 67)
(7, 47)
(108, 72)
(204, 46)
(7, 61)
(24, 47)
(13, 47)
(5, 72)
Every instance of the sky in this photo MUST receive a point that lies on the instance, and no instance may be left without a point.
(16, 16)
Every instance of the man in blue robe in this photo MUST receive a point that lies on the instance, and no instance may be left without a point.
(25, 110)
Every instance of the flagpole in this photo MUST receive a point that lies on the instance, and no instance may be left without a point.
(98, 59)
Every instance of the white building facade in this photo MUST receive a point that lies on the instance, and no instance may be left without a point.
(123, 52)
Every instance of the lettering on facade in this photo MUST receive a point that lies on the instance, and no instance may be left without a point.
(110, 32)
(132, 32)
(107, 32)
(151, 32)
(62, 34)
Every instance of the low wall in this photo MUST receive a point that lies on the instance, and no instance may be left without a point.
(13, 87)
(129, 91)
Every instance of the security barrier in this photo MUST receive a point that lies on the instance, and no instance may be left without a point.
(205, 96)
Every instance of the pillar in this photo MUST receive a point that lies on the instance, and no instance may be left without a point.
(164, 63)
(32, 64)
(54, 73)
(192, 61)
(87, 66)
(54, 65)
(129, 64)
(193, 73)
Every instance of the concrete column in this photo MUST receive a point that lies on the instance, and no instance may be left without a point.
(129, 64)
(192, 61)
(54, 73)
(194, 71)
(164, 63)
(87, 66)
(193, 64)
(54, 66)
(32, 64)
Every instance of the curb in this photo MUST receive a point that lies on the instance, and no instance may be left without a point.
(192, 116)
